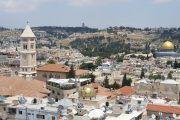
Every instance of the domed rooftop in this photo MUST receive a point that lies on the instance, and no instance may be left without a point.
(87, 92)
(167, 45)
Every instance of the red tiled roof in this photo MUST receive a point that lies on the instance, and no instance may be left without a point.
(104, 91)
(164, 109)
(12, 86)
(54, 68)
(95, 85)
(126, 90)
(80, 72)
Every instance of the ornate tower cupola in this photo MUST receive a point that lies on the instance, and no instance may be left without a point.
(28, 53)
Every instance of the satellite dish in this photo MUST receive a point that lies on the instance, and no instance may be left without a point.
(80, 105)
(51, 100)
(174, 115)
(70, 117)
(60, 108)
(22, 100)
(153, 116)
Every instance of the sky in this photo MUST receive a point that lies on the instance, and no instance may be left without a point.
(94, 13)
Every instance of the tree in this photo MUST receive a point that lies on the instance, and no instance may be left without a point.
(92, 76)
(66, 63)
(106, 82)
(87, 66)
(169, 62)
(154, 53)
(155, 77)
(115, 85)
(176, 65)
(126, 81)
(119, 58)
(50, 61)
(98, 61)
(142, 74)
(71, 73)
(170, 75)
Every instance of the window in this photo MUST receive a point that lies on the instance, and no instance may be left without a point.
(58, 76)
(25, 47)
(53, 117)
(50, 76)
(20, 112)
(45, 75)
(32, 46)
(53, 91)
(40, 116)
(139, 102)
(12, 111)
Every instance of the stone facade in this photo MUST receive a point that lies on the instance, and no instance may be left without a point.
(45, 75)
(166, 90)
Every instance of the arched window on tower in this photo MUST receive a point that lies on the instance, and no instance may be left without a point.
(25, 46)
(32, 46)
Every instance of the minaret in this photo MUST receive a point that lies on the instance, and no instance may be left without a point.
(28, 53)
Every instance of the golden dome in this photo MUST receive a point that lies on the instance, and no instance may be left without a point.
(87, 92)
(167, 45)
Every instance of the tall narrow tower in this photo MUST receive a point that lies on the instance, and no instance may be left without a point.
(28, 53)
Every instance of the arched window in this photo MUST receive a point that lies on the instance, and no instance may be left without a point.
(32, 46)
(25, 46)
(50, 75)
(53, 91)
(45, 75)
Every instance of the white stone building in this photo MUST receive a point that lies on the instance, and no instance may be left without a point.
(28, 53)
(21, 108)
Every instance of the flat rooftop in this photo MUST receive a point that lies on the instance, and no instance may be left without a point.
(31, 106)
(68, 81)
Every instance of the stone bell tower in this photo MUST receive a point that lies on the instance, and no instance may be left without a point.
(28, 53)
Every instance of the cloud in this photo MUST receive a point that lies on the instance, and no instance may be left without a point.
(30, 5)
(92, 2)
(20, 5)
(162, 1)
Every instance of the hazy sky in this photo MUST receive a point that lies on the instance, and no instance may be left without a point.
(95, 13)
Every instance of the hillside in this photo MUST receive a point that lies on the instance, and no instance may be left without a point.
(116, 40)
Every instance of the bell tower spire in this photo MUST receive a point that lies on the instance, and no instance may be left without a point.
(28, 53)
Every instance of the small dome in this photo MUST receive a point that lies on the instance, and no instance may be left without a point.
(96, 114)
(167, 45)
(87, 92)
